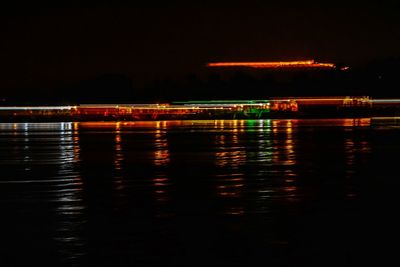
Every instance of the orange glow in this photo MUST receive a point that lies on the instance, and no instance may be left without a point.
(276, 64)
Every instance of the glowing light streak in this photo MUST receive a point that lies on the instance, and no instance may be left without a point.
(230, 102)
(39, 108)
(276, 64)
(385, 100)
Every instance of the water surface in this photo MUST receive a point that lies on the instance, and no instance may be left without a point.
(320, 192)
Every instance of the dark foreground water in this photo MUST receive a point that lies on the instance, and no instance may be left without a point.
(258, 192)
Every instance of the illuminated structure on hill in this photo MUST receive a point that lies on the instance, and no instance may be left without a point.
(304, 64)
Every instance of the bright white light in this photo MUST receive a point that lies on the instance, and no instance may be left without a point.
(38, 108)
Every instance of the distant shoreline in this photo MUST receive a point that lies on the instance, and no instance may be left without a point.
(275, 108)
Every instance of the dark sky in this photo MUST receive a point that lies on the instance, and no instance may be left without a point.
(48, 45)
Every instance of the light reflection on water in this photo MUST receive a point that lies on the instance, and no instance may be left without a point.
(71, 207)
(43, 160)
(230, 157)
(161, 160)
(97, 181)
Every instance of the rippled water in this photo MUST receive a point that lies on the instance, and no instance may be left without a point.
(255, 192)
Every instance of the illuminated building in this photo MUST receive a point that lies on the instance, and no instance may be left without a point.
(304, 64)
(288, 107)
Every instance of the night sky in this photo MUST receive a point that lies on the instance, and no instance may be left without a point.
(51, 45)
